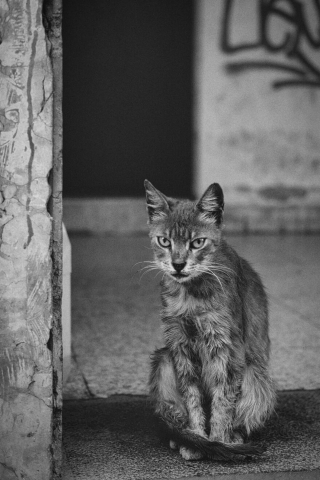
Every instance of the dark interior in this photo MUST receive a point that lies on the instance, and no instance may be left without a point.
(128, 97)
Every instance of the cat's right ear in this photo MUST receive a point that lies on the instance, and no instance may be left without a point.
(157, 204)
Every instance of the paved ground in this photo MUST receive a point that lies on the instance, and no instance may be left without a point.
(116, 327)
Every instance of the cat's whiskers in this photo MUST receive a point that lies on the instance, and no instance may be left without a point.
(147, 266)
(150, 269)
(222, 268)
(209, 271)
(158, 268)
(144, 261)
(153, 265)
(218, 267)
(163, 274)
(138, 271)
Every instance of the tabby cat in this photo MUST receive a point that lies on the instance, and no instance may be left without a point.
(210, 382)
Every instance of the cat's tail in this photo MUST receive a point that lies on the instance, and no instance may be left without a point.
(183, 435)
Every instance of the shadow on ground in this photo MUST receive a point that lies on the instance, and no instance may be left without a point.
(117, 438)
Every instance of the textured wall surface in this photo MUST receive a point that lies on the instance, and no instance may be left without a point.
(258, 103)
(25, 232)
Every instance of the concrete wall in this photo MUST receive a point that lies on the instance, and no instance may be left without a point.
(256, 121)
(258, 110)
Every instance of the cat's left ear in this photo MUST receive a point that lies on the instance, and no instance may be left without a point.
(157, 204)
(211, 204)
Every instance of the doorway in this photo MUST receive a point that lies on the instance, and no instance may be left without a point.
(128, 89)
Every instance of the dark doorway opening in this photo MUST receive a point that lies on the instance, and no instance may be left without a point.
(128, 97)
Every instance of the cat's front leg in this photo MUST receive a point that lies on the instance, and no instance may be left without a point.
(222, 378)
(193, 403)
(187, 379)
(196, 415)
(221, 416)
(223, 405)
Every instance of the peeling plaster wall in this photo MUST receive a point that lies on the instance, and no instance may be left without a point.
(258, 105)
(25, 235)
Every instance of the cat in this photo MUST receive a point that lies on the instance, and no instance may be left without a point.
(210, 382)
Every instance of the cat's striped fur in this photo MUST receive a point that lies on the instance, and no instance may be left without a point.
(210, 382)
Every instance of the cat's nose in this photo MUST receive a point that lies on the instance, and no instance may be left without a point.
(179, 266)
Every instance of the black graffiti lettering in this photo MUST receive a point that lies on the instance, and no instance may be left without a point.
(225, 32)
(298, 34)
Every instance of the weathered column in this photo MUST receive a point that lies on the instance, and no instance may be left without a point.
(26, 264)
(52, 12)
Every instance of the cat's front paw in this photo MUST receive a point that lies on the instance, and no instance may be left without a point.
(229, 438)
(222, 437)
(237, 438)
(173, 445)
(189, 454)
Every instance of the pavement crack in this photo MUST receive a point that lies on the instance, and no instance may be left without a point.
(85, 381)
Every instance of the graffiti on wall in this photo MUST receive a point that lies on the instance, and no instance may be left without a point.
(297, 47)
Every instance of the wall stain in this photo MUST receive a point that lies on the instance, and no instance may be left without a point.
(315, 164)
(244, 188)
(281, 192)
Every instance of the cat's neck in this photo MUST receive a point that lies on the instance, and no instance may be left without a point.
(189, 298)
(176, 300)
(201, 287)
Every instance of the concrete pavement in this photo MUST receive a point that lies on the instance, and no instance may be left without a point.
(116, 327)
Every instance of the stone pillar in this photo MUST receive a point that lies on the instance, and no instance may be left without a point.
(52, 21)
(28, 379)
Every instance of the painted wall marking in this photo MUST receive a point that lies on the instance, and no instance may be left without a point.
(298, 34)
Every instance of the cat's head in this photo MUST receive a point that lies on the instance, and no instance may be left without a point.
(184, 234)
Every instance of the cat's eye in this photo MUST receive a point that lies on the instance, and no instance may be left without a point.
(197, 243)
(164, 242)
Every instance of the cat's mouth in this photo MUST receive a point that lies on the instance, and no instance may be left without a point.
(180, 276)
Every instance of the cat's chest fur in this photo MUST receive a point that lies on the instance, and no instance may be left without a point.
(200, 324)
